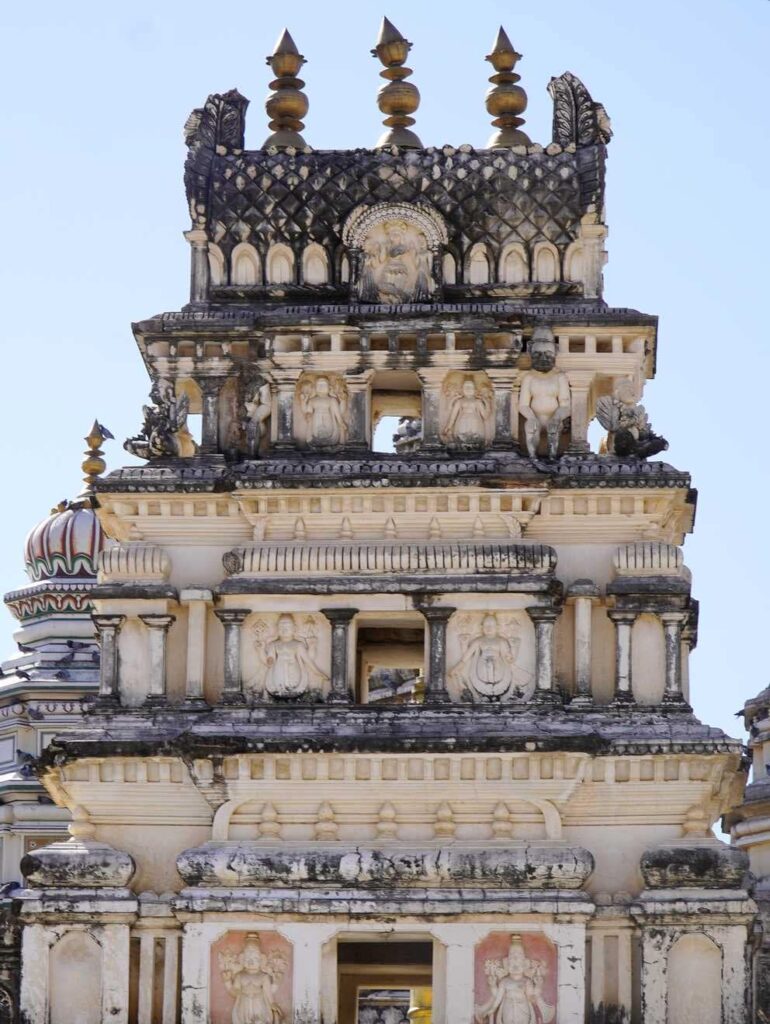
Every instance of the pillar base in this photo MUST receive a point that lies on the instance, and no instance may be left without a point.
(155, 700)
(675, 701)
(437, 698)
(232, 700)
(105, 704)
(622, 699)
(581, 701)
(339, 698)
(195, 704)
(545, 697)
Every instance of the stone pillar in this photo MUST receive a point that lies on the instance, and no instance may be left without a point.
(35, 957)
(544, 619)
(340, 619)
(157, 632)
(582, 595)
(146, 978)
(437, 617)
(197, 602)
(431, 381)
(624, 624)
(360, 410)
(210, 388)
(282, 423)
(231, 619)
(673, 623)
(108, 627)
(199, 264)
(579, 385)
(502, 384)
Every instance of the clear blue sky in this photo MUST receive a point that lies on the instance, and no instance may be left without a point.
(94, 99)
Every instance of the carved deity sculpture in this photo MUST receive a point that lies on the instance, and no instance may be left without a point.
(545, 396)
(252, 979)
(258, 409)
(468, 412)
(286, 666)
(397, 264)
(628, 428)
(488, 669)
(324, 406)
(164, 430)
(516, 983)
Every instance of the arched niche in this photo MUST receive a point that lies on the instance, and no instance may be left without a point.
(574, 267)
(245, 265)
(449, 268)
(216, 265)
(315, 265)
(280, 264)
(75, 980)
(514, 264)
(546, 263)
(478, 269)
(694, 981)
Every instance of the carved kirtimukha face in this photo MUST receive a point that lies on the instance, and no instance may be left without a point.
(543, 355)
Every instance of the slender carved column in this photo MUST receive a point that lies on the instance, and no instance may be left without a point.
(673, 623)
(583, 594)
(437, 618)
(624, 624)
(579, 384)
(108, 627)
(502, 384)
(282, 423)
(210, 388)
(359, 410)
(197, 602)
(231, 619)
(544, 620)
(199, 264)
(157, 632)
(340, 619)
(431, 381)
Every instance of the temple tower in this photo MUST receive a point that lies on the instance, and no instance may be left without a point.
(405, 731)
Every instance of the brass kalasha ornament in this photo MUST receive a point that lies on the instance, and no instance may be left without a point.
(94, 465)
(506, 100)
(398, 99)
(287, 104)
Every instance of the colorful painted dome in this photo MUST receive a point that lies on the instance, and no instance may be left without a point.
(66, 544)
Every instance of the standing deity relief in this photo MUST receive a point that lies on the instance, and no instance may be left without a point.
(395, 251)
(544, 401)
(518, 984)
(258, 407)
(467, 410)
(493, 659)
(283, 660)
(251, 976)
(321, 410)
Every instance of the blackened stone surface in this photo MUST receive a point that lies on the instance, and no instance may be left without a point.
(715, 866)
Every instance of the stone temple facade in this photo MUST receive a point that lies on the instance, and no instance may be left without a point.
(354, 736)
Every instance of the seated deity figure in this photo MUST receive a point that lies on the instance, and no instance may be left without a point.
(252, 979)
(469, 413)
(545, 396)
(325, 410)
(287, 666)
(516, 984)
(488, 669)
(258, 409)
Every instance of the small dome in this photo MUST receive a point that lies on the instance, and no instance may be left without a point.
(66, 544)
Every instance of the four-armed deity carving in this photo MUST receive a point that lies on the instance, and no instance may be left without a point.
(252, 978)
(258, 408)
(516, 983)
(323, 408)
(164, 430)
(286, 664)
(490, 666)
(545, 396)
(467, 407)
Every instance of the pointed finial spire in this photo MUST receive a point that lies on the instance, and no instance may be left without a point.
(287, 104)
(398, 99)
(505, 100)
(94, 465)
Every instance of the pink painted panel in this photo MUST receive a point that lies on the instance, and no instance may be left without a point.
(251, 978)
(515, 979)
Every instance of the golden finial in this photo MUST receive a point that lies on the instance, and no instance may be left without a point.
(398, 99)
(94, 465)
(287, 104)
(505, 100)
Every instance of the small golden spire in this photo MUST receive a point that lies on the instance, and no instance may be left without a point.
(94, 465)
(505, 100)
(398, 99)
(287, 104)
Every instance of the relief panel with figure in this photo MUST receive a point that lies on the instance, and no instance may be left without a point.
(491, 657)
(251, 979)
(515, 979)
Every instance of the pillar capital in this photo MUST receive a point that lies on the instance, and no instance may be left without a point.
(157, 621)
(339, 615)
(232, 616)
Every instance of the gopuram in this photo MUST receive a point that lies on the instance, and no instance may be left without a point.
(310, 728)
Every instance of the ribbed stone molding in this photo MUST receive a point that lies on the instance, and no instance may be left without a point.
(649, 558)
(78, 863)
(712, 865)
(138, 563)
(522, 866)
(261, 560)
